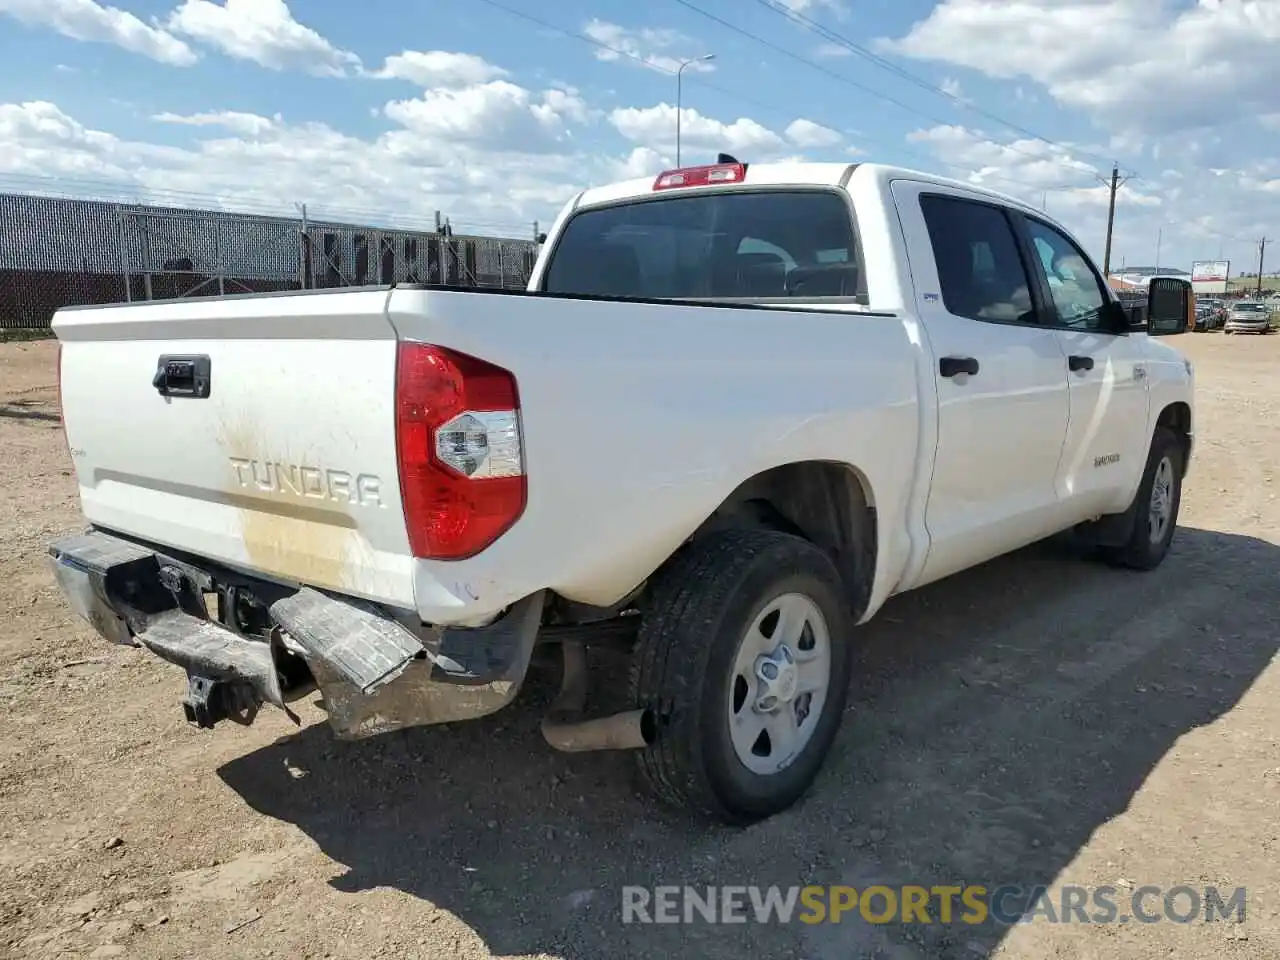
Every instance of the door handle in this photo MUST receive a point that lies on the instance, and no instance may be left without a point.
(951, 366)
(1079, 363)
(185, 376)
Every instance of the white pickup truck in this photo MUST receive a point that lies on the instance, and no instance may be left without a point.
(738, 408)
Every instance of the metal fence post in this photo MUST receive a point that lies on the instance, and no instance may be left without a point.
(124, 256)
(146, 261)
(217, 256)
(304, 249)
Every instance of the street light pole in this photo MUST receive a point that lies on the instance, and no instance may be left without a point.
(680, 94)
(1159, 237)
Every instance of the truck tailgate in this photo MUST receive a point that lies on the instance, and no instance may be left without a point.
(286, 469)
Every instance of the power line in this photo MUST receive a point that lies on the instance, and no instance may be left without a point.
(871, 91)
(1217, 233)
(759, 104)
(842, 41)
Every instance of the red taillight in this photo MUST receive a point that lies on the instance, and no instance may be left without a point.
(701, 176)
(462, 479)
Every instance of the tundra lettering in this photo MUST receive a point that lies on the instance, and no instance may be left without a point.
(300, 481)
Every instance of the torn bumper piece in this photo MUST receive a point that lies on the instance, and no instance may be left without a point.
(375, 673)
(362, 646)
(227, 676)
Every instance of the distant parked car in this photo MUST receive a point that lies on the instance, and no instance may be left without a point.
(1249, 316)
(1217, 310)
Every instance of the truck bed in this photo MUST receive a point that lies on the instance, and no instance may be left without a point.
(637, 418)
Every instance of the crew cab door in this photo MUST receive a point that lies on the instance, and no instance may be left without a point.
(1107, 435)
(1000, 376)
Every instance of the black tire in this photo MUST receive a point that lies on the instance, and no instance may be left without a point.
(1143, 551)
(701, 606)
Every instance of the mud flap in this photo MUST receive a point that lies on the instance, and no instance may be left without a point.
(365, 648)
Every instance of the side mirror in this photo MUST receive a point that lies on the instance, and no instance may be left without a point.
(1170, 307)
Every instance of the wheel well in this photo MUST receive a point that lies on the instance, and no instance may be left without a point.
(829, 504)
(1177, 417)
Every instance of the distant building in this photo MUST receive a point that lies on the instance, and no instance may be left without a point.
(1138, 278)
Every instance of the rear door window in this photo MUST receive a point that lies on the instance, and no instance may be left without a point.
(731, 245)
(980, 270)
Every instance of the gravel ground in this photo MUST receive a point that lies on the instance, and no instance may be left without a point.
(1040, 720)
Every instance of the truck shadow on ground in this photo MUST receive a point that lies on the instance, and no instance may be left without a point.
(996, 720)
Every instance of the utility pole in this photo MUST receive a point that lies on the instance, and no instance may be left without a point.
(1262, 249)
(1115, 184)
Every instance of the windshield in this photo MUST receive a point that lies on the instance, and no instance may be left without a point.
(1250, 308)
(738, 244)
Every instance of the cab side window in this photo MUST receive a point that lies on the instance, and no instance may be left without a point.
(1077, 291)
(980, 271)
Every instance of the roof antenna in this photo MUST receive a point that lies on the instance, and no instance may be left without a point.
(725, 158)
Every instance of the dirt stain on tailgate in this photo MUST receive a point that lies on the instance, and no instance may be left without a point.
(295, 517)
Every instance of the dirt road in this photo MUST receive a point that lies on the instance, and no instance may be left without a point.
(1040, 720)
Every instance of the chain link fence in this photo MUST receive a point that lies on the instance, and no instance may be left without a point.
(57, 252)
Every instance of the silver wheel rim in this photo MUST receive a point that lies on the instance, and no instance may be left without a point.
(1161, 510)
(781, 676)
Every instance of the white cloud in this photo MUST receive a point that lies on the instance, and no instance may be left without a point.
(263, 31)
(810, 7)
(489, 115)
(1038, 165)
(439, 68)
(495, 156)
(806, 133)
(567, 103)
(651, 47)
(1196, 212)
(261, 164)
(248, 124)
(642, 162)
(91, 21)
(951, 87)
(656, 127)
(1132, 64)
(831, 51)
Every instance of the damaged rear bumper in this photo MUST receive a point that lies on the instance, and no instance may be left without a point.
(245, 642)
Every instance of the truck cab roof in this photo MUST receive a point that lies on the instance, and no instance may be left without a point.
(791, 173)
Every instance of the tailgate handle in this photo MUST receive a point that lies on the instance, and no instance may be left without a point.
(185, 376)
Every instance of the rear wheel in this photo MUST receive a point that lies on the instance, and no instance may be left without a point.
(744, 656)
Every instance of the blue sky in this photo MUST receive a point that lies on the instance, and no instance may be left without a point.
(394, 109)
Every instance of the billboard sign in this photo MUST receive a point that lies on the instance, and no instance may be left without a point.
(1209, 270)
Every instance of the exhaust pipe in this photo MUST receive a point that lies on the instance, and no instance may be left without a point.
(565, 730)
(629, 730)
